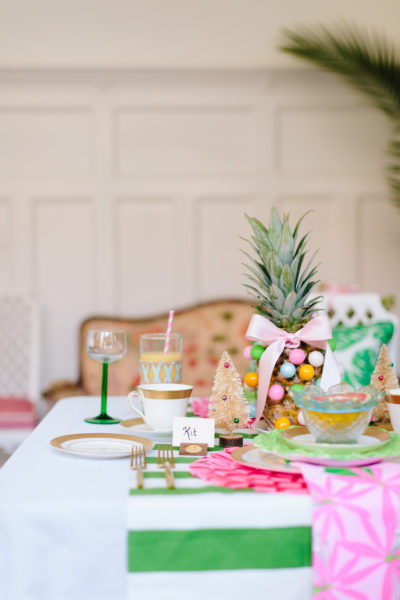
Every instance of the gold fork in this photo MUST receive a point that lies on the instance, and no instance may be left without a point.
(165, 459)
(138, 455)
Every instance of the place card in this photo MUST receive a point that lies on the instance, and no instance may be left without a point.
(193, 429)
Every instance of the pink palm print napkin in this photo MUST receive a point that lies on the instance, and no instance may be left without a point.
(356, 532)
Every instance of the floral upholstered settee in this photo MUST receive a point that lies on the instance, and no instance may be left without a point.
(208, 329)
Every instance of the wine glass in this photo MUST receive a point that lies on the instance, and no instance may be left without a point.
(106, 347)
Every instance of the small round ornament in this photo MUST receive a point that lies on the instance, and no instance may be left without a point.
(276, 392)
(287, 370)
(257, 351)
(297, 356)
(236, 420)
(252, 410)
(297, 387)
(332, 344)
(226, 365)
(246, 352)
(224, 397)
(251, 379)
(316, 359)
(306, 372)
(282, 423)
(381, 378)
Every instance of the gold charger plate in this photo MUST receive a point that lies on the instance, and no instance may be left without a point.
(99, 445)
(252, 456)
(372, 438)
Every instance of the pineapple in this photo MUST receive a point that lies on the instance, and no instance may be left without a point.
(282, 281)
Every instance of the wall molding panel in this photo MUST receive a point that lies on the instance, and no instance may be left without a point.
(124, 192)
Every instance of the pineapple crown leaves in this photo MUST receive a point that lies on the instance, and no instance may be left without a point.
(277, 277)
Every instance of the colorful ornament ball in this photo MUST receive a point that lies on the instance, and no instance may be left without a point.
(306, 372)
(251, 379)
(282, 423)
(316, 359)
(257, 351)
(224, 397)
(287, 370)
(297, 387)
(246, 352)
(276, 392)
(381, 378)
(226, 365)
(297, 356)
(236, 420)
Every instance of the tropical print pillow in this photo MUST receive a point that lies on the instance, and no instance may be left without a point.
(357, 349)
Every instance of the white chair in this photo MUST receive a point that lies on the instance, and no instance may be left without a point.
(19, 368)
(354, 309)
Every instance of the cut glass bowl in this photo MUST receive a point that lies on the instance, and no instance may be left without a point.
(339, 415)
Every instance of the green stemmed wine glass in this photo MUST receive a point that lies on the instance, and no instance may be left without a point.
(106, 347)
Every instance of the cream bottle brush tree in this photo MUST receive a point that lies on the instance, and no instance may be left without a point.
(383, 378)
(228, 405)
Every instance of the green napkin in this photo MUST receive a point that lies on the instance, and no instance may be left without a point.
(274, 442)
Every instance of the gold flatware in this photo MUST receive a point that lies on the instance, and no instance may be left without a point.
(138, 462)
(165, 459)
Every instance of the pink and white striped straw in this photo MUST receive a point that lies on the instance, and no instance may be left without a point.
(169, 329)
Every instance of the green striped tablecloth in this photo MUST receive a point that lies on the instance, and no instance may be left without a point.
(203, 542)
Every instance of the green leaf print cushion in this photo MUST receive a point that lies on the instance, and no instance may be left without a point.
(357, 349)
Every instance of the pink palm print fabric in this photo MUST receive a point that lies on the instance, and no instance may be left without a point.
(356, 532)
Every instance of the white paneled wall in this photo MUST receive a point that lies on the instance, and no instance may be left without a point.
(124, 193)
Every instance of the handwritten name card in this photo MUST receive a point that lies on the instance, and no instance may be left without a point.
(193, 429)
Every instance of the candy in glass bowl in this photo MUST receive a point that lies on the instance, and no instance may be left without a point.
(339, 415)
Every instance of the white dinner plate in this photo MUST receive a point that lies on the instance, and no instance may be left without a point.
(99, 445)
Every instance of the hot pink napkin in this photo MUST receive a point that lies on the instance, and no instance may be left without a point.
(200, 407)
(356, 533)
(220, 469)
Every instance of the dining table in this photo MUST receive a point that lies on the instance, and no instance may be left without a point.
(77, 528)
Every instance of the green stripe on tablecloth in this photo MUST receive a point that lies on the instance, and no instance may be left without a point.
(153, 460)
(219, 549)
(161, 474)
(202, 490)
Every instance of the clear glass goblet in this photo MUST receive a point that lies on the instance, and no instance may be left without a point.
(106, 347)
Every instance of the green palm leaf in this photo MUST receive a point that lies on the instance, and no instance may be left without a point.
(369, 63)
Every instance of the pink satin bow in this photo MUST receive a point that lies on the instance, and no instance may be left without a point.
(316, 333)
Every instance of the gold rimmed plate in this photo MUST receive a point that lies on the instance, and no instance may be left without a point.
(372, 438)
(99, 445)
(138, 426)
(251, 456)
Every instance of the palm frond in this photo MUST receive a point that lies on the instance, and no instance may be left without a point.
(393, 165)
(369, 63)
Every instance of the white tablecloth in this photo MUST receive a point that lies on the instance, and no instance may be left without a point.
(62, 517)
(64, 522)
